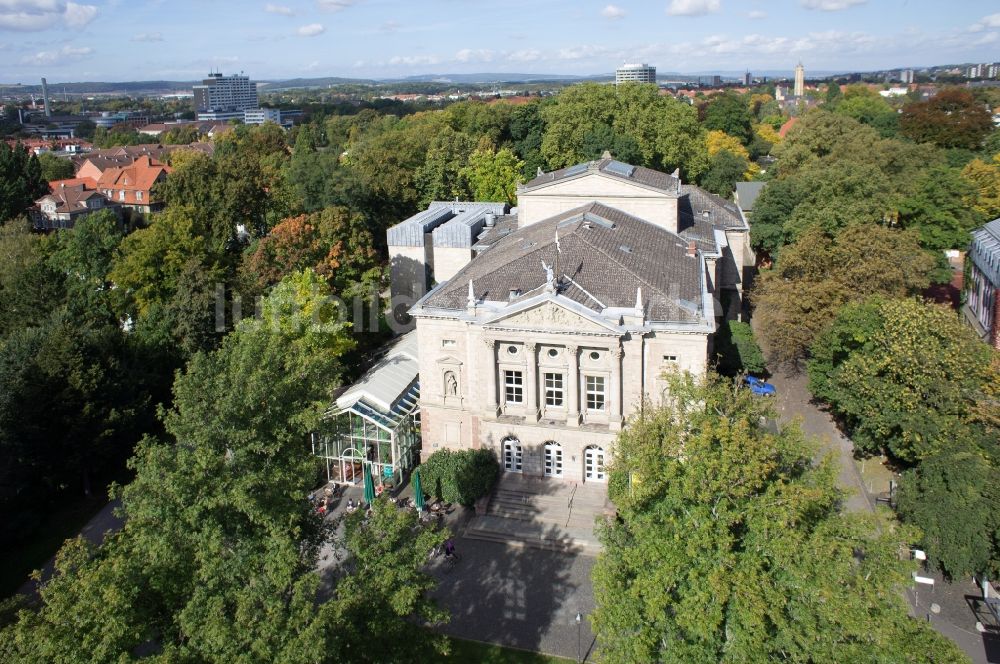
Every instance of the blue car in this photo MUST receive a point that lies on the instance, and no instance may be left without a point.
(757, 386)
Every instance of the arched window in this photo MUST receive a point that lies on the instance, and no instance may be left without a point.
(593, 464)
(553, 459)
(512, 454)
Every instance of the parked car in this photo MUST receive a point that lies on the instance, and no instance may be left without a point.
(758, 386)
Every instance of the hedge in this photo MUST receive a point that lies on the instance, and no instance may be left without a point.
(737, 349)
(459, 477)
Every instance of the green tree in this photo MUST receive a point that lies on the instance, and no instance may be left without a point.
(216, 559)
(869, 108)
(902, 375)
(730, 113)
(666, 131)
(21, 180)
(493, 175)
(440, 176)
(814, 277)
(54, 168)
(952, 496)
(737, 350)
(30, 287)
(725, 169)
(730, 546)
(938, 209)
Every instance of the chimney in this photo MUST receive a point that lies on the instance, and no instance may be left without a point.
(45, 98)
(490, 219)
(692, 249)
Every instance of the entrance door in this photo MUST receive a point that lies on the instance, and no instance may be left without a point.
(512, 455)
(593, 465)
(553, 460)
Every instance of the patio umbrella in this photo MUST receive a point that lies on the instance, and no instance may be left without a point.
(369, 485)
(418, 492)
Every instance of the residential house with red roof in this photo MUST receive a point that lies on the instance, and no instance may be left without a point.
(132, 186)
(67, 201)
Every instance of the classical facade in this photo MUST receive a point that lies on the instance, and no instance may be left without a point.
(565, 314)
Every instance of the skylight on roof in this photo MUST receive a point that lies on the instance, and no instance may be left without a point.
(574, 170)
(620, 168)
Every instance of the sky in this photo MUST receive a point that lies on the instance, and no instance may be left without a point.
(129, 40)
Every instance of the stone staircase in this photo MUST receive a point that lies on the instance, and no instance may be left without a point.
(542, 513)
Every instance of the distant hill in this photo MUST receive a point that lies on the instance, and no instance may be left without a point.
(323, 82)
(491, 77)
(127, 87)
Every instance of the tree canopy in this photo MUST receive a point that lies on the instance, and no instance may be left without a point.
(818, 274)
(730, 546)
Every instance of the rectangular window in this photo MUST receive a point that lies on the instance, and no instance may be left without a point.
(138, 195)
(121, 195)
(553, 389)
(595, 392)
(513, 386)
(447, 343)
(669, 358)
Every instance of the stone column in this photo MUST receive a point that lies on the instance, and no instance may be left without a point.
(531, 382)
(615, 415)
(573, 385)
(491, 373)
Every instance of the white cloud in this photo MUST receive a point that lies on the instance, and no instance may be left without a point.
(278, 9)
(311, 30)
(474, 55)
(334, 5)
(831, 5)
(692, 7)
(756, 14)
(411, 60)
(62, 56)
(581, 52)
(613, 12)
(991, 21)
(78, 16)
(525, 55)
(147, 37)
(34, 15)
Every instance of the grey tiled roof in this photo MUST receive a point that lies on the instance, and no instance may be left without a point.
(605, 255)
(639, 174)
(722, 213)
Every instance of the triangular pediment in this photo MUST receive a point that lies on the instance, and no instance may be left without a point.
(549, 316)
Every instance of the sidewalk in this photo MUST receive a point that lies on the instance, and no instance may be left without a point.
(956, 619)
(93, 532)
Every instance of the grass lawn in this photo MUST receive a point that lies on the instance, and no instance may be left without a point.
(17, 562)
(468, 652)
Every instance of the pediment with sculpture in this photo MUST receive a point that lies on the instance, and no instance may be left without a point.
(550, 317)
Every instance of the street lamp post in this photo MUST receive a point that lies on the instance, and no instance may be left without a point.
(579, 627)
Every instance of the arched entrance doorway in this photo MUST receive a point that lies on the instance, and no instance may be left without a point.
(593, 464)
(512, 454)
(553, 459)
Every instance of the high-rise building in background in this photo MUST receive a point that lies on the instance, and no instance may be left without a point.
(635, 73)
(800, 80)
(906, 76)
(224, 97)
(747, 79)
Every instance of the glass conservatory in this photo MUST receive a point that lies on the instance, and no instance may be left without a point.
(376, 421)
